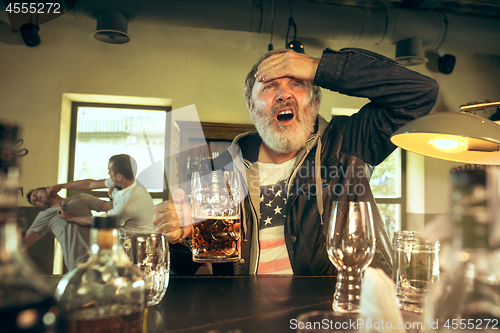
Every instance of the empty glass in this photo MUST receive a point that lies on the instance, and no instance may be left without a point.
(351, 248)
(150, 252)
(415, 268)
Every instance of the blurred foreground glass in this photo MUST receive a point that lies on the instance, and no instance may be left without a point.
(26, 303)
(468, 293)
(107, 293)
(215, 200)
(415, 268)
(351, 248)
(150, 253)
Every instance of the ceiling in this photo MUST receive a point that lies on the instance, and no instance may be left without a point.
(473, 26)
(468, 25)
(475, 8)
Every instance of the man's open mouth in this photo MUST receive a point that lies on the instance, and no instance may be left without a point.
(285, 116)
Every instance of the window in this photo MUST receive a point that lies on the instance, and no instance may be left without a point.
(99, 131)
(388, 184)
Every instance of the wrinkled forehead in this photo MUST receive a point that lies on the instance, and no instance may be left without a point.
(287, 80)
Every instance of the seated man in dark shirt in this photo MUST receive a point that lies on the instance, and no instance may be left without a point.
(306, 161)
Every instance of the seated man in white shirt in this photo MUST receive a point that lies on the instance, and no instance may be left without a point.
(131, 202)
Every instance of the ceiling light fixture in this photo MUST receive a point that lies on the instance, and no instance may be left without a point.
(294, 44)
(453, 136)
(409, 52)
(111, 27)
(29, 32)
(270, 47)
(446, 63)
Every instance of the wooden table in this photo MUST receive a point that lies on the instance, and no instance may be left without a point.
(249, 304)
(238, 304)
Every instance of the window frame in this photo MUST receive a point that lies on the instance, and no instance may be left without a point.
(165, 194)
(401, 200)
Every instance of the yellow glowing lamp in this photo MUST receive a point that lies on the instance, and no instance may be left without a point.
(453, 136)
(450, 143)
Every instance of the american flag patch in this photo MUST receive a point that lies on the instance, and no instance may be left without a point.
(273, 253)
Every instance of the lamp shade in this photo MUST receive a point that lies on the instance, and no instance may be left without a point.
(452, 136)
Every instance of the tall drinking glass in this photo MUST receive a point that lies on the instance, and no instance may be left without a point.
(415, 268)
(215, 200)
(351, 248)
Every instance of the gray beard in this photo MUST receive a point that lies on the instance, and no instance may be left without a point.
(280, 140)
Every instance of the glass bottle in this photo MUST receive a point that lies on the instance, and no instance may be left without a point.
(107, 293)
(26, 303)
(468, 295)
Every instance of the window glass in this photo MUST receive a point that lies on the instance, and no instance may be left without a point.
(391, 215)
(102, 132)
(386, 178)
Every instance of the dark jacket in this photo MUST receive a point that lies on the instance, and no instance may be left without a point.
(338, 158)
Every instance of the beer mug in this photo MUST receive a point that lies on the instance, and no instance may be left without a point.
(150, 252)
(215, 201)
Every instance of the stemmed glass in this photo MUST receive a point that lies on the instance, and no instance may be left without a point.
(351, 248)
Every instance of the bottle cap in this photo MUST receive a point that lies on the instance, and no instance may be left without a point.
(104, 222)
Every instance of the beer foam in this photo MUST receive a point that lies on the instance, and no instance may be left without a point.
(206, 217)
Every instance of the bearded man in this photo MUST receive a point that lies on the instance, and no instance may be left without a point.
(298, 163)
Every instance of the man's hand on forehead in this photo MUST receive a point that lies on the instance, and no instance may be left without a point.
(287, 64)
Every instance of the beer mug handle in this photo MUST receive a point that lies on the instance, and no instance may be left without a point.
(187, 243)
